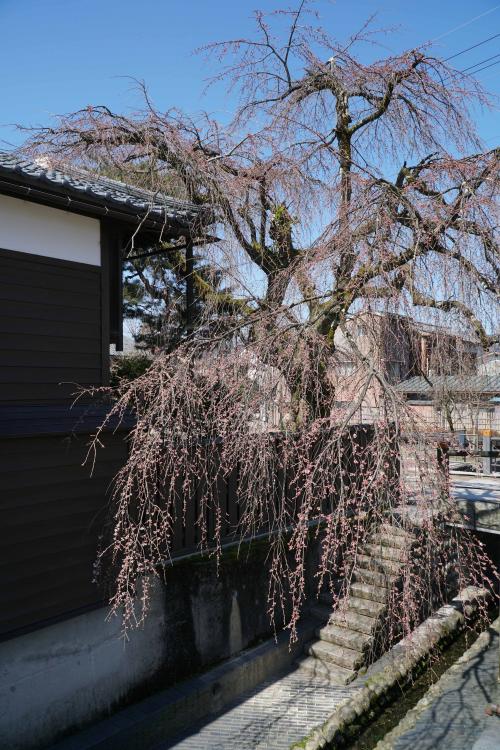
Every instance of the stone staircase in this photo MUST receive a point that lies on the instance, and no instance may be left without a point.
(420, 469)
(345, 637)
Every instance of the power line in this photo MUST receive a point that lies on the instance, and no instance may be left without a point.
(486, 66)
(467, 23)
(473, 69)
(481, 62)
(469, 48)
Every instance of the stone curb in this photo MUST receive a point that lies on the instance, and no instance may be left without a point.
(436, 690)
(349, 718)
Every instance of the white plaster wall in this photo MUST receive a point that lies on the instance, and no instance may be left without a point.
(42, 230)
(69, 673)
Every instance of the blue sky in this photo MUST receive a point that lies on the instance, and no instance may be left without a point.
(57, 56)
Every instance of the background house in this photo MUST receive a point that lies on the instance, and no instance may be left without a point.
(467, 406)
(404, 352)
(409, 355)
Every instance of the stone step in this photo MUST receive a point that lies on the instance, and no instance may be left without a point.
(320, 612)
(373, 577)
(381, 550)
(334, 675)
(334, 654)
(395, 530)
(368, 591)
(394, 541)
(344, 637)
(365, 606)
(378, 564)
(354, 621)
(392, 528)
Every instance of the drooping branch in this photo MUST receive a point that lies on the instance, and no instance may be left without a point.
(349, 196)
(424, 300)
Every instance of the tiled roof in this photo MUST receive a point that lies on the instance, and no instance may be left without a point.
(452, 383)
(80, 185)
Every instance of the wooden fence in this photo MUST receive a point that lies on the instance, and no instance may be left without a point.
(54, 512)
(187, 528)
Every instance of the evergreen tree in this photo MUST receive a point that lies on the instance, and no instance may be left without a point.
(155, 295)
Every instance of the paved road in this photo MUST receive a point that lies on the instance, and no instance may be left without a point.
(485, 488)
(479, 499)
(451, 716)
(270, 717)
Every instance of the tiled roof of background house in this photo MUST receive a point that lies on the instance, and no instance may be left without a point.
(451, 383)
(82, 186)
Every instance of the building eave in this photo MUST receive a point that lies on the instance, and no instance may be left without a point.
(155, 215)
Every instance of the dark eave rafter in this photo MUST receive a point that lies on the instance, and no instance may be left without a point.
(206, 239)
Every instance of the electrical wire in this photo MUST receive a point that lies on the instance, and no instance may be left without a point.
(485, 67)
(473, 69)
(467, 23)
(481, 62)
(468, 49)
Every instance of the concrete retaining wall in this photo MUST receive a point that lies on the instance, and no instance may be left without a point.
(67, 674)
(62, 677)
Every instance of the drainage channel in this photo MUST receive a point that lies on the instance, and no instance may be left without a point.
(409, 697)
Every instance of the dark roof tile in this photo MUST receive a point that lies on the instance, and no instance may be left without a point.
(107, 192)
(452, 383)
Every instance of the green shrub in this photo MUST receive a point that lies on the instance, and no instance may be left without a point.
(128, 367)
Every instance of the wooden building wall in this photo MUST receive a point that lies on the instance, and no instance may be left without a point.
(51, 328)
(53, 512)
(54, 337)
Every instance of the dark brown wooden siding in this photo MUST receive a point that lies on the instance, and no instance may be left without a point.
(52, 512)
(51, 328)
(54, 337)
